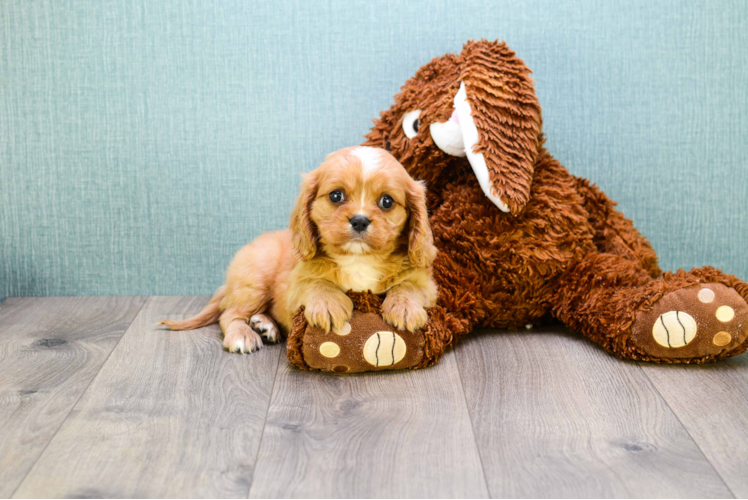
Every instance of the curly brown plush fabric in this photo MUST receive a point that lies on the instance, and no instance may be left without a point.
(420, 349)
(553, 245)
(520, 239)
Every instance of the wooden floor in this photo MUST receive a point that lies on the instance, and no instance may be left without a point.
(97, 402)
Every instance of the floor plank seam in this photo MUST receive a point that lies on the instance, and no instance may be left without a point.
(264, 423)
(472, 425)
(83, 393)
(677, 417)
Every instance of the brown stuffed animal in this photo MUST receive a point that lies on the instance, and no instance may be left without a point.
(521, 240)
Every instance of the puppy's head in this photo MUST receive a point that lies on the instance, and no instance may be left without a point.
(362, 201)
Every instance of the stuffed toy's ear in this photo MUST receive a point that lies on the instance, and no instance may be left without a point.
(501, 122)
(304, 231)
(421, 249)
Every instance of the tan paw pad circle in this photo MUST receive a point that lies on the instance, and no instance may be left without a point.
(706, 295)
(722, 339)
(384, 349)
(329, 349)
(674, 329)
(345, 329)
(725, 313)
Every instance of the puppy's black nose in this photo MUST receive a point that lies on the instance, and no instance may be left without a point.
(359, 223)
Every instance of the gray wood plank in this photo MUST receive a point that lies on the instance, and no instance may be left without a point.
(388, 434)
(50, 350)
(711, 401)
(556, 416)
(171, 414)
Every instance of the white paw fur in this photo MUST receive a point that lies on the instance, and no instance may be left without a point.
(241, 338)
(265, 326)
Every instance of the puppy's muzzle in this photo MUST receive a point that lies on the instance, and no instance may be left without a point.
(359, 223)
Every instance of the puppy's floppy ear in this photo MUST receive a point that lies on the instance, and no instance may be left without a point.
(421, 249)
(304, 231)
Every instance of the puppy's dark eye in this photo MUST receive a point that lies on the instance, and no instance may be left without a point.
(385, 202)
(337, 197)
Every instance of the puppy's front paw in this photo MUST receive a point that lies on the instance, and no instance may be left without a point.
(404, 313)
(328, 310)
(239, 337)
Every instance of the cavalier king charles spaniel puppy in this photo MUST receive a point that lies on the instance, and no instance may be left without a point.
(360, 223)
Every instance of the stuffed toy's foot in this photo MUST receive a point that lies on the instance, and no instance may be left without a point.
(367, 342)
(695, 316)
(698, 323)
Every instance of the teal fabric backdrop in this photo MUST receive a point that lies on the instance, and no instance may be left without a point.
(143, 142)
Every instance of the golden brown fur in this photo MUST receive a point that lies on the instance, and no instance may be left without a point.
(321, 256)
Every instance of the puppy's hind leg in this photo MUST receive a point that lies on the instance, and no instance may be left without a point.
(266, 327)
(238, 336)
(252, 277)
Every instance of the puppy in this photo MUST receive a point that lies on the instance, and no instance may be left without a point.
(360, 223)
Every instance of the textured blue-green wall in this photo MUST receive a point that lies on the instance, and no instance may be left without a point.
(143, 142)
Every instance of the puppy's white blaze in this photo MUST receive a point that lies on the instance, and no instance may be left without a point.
(371, 159)
(470, 139)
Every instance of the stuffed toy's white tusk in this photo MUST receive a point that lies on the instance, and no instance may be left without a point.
(448, 137)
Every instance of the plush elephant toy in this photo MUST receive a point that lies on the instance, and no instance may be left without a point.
(520, 239)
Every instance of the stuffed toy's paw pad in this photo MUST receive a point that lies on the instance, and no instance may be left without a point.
(367, 344)
(708, 319)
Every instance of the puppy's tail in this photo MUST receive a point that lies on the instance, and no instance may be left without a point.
(207, 316)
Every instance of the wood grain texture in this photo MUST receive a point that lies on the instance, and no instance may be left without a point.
(556, 416)
(711, 401)
(171, 414)
(50, 350)
(389, 434)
